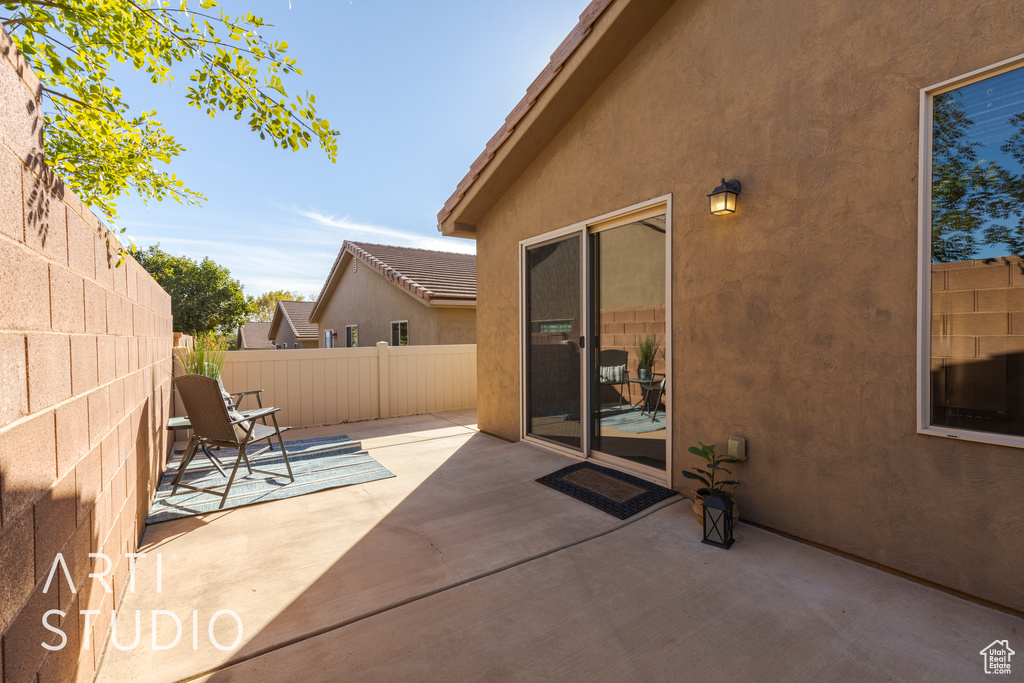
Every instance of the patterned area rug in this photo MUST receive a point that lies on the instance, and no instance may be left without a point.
(617, 493)
(318, 464)
(629, 419)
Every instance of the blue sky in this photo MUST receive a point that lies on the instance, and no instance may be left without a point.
(415, 87)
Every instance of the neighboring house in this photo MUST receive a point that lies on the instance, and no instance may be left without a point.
(253, 336)
(403, 296)
(874, 368)
(291, 328)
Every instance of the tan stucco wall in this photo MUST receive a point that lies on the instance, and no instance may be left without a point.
(365, 298)
(456, 325)
(285, 336)
(794, 319)
(85, 392)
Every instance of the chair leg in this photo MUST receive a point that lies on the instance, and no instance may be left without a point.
(231, 479)
(186, 458)
(280, 440)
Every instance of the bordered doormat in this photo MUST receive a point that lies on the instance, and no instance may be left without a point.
(617, 493)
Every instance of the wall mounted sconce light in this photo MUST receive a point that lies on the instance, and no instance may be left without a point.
(723, 197)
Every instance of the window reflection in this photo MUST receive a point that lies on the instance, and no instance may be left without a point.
(977, 243)
(628, 295)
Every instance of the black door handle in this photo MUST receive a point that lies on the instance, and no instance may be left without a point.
(583, 342)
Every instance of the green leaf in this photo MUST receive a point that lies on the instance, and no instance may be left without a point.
(694, 475)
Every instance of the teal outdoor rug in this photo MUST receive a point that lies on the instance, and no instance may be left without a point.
(629, 419)
(318, 464)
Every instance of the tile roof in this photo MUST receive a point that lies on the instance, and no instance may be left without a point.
(434, 276)
(297, 315)
(254, 335)
(430, 274)
(558, 59)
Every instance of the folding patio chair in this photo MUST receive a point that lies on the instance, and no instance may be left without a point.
(612, 371)
(213, 425)
(652, 398)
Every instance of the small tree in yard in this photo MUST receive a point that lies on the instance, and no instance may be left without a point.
(100, 149)
(262, 307)
(204, 297)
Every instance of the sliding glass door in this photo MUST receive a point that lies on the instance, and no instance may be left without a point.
(595, 336)
(628, 378)
(554, 327)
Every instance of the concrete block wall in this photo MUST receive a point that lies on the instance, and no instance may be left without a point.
(85, 389)
(977, 328)
(621, 328)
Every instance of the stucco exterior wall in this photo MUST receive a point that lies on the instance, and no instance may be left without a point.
(795, 318)
(456, 325)
(85, 390)
(285, 336)
(366, 299)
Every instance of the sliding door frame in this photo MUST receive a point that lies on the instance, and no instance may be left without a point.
(584, 229)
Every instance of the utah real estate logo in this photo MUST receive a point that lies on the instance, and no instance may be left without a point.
(997, 657)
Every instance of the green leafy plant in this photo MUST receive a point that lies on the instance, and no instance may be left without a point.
(708, 474)
(98, 145)
(200, 360)
(204, 296)
(262, 307)
(648, 350)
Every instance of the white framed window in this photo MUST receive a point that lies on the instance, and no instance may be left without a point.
(351, 336)
(329, 339)
(400, 333)
(971, 260)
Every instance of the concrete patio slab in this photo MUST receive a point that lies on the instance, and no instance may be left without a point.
(463, 568)
(462, 505)
(650, 602)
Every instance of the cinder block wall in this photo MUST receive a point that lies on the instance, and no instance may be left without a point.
(85, 387)
(621, 328)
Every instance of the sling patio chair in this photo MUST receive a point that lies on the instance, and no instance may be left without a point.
(653, 393)
(611, 370)
(213, 424)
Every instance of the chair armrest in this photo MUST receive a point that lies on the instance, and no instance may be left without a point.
(246, 393)
(255, 414)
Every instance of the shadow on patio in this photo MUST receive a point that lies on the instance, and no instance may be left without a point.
(463, 567)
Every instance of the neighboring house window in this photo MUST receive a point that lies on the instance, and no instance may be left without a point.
(328, 339)
(971, 360)
(559, 326)
(400, 333)
(352, 336)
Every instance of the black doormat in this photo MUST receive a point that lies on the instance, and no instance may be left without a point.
(617, 493)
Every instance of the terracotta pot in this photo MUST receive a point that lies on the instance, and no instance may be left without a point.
(698, 506)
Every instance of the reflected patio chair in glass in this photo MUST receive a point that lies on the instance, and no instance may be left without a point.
(611, 371)
(213, 425)
(653, 394)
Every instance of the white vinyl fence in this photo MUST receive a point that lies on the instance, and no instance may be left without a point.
(328, 386)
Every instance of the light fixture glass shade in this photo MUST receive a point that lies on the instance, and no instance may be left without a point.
(723, 198)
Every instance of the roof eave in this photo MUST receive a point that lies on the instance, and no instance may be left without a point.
(443, 302)
(611, 29)
(330, 284)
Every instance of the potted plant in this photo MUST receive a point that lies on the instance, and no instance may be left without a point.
(708, 476)
(201, 359)
(648, 349)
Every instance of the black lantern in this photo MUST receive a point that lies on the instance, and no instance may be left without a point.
(718, 520)
(723, 198)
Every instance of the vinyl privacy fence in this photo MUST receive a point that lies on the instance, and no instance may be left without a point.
(328, 386)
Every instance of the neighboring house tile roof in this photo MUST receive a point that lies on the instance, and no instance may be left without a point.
(254, 335)
(296, 315)
(436, 277)
(558, 59)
